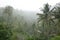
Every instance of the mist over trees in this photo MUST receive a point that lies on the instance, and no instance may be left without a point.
(28, 25)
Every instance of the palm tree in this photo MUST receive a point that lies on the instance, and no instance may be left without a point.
(46, 20)
(57, 18)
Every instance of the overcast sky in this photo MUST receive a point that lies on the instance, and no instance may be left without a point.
(31, 5)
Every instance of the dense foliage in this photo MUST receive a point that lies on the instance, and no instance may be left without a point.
(14, 27)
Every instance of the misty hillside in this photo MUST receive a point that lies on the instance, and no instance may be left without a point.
(28, 17)
(29, 20)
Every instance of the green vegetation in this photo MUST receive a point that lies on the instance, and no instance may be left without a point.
(56, 38)
(14, 26)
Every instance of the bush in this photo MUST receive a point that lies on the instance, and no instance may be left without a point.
(56, 38)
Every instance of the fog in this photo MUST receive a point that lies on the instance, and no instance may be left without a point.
(31, 5)
(29, 19)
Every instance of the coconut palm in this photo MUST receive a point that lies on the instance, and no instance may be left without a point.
(46, 20)
(57, 18)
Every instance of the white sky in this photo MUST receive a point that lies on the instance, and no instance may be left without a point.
(31, 5)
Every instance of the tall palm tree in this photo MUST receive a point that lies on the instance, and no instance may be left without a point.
(46, 20)
(57, 18)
